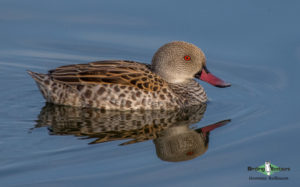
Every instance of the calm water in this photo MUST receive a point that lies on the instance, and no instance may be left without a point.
(254, 45)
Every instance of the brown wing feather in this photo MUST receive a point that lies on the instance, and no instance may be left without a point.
(109, 72)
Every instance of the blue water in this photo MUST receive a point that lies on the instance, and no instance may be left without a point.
(255, 45)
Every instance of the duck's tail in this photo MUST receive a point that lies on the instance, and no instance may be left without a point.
(39, 78)
(42, 81)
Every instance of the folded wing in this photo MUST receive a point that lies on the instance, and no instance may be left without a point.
(127, 73)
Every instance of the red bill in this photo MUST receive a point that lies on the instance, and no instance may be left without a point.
(208, 77)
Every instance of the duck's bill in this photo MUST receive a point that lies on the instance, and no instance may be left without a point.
(208, 77)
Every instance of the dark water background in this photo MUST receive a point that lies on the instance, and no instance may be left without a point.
(254, 44)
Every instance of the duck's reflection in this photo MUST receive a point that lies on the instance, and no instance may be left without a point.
(173, 138)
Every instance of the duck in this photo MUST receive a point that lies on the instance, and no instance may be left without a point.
(167, 83)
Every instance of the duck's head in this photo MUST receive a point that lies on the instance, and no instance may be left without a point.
(178, 62)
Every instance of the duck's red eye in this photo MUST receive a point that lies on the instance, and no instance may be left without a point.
(187, 58)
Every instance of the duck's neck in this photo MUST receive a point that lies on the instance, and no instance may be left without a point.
(191, 92)
(167, 73)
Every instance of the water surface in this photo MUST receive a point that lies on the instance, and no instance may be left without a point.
(252, 44)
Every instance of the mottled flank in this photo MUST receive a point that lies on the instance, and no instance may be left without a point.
(128, 85)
